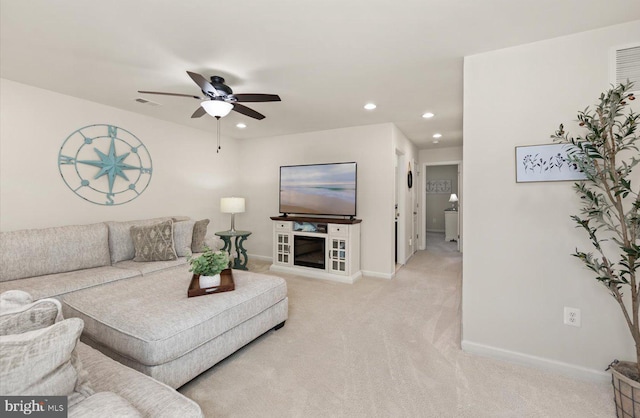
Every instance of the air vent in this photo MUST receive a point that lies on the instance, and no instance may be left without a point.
(626, 65)
(147, 102)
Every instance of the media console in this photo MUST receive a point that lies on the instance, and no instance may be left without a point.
(321, 248)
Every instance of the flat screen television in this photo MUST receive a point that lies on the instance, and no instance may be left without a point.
(319, 189)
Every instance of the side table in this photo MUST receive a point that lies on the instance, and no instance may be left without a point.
(240, 262)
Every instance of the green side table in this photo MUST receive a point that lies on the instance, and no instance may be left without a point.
(240, 262)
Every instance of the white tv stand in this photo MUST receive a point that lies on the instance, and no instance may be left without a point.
(320, 248)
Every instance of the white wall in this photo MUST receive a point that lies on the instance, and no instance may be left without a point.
(369, 146)
(439, 155)
(518, 272)
(188, 179)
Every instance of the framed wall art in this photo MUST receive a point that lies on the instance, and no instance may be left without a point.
(438, 186)
(547, 162)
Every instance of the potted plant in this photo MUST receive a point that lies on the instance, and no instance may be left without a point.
(208, 267)
(607, 153)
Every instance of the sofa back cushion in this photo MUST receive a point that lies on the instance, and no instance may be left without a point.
(182, 237)
(36, 252)
(120, 241)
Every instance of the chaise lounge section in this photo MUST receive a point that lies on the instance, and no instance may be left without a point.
(138, 312)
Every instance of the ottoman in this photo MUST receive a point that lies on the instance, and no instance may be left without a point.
(149, 324)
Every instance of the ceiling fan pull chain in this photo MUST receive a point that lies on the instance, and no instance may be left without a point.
(218, 122)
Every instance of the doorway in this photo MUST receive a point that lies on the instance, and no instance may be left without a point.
(399, 208)
(442, 219)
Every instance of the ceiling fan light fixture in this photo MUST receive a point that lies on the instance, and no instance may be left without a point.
(217, 108)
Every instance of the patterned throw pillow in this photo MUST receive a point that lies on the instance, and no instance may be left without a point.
(154, 242)
(199, 234)
(28, 317)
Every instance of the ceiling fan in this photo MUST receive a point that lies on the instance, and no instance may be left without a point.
(219, 99)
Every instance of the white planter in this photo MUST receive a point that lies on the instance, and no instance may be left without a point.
(209, 281)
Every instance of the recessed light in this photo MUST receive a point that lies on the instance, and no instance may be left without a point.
(370, 106)
(437, 135)
(428, 115)
(241, 125)
(435, 142)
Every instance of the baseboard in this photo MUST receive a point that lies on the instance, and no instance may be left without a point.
(378, 275)
(316, 274)
(566, 369)
(260, 257)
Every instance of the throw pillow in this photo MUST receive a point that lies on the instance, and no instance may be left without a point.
(182, 237)
(18, 313)
(154, 242)
(39, 363)
(199, 234)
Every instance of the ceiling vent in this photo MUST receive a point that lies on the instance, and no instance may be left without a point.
(147, 102)
(626, 65)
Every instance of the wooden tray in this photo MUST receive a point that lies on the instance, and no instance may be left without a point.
(226, 285)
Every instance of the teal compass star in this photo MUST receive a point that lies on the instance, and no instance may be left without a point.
(105, 164)
(111, 165)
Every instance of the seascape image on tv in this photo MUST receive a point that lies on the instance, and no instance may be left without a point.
(323, 189)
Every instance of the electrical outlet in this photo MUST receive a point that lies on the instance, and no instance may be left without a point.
(572, 316)
(433, 220)
(410, 242)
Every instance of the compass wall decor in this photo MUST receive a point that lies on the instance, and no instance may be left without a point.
(105, 164)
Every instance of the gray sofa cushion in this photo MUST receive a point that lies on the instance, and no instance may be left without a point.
(182, 237)
(54, 285)
(150, 397)
(37, 252)
(120, 242)
(104, 405)
(168, 324)
(146, 267)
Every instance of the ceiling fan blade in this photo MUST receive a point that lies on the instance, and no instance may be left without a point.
(199, 112)
(203, 83)
(169, 94)
(257, 97)
(247, 111)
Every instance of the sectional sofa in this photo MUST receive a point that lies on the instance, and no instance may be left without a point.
(40, 354)
(138, 312)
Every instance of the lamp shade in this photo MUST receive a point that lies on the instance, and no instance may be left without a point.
(217, 108)
(453, 198)
(232, 205)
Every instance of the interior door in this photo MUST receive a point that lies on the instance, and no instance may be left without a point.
(414, 215)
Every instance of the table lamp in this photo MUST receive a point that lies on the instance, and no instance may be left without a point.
(232, 205)
(453, 199)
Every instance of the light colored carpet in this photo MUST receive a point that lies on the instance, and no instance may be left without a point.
(383, 348)
(436, 243)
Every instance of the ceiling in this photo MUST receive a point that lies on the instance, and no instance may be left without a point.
(325, 58)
